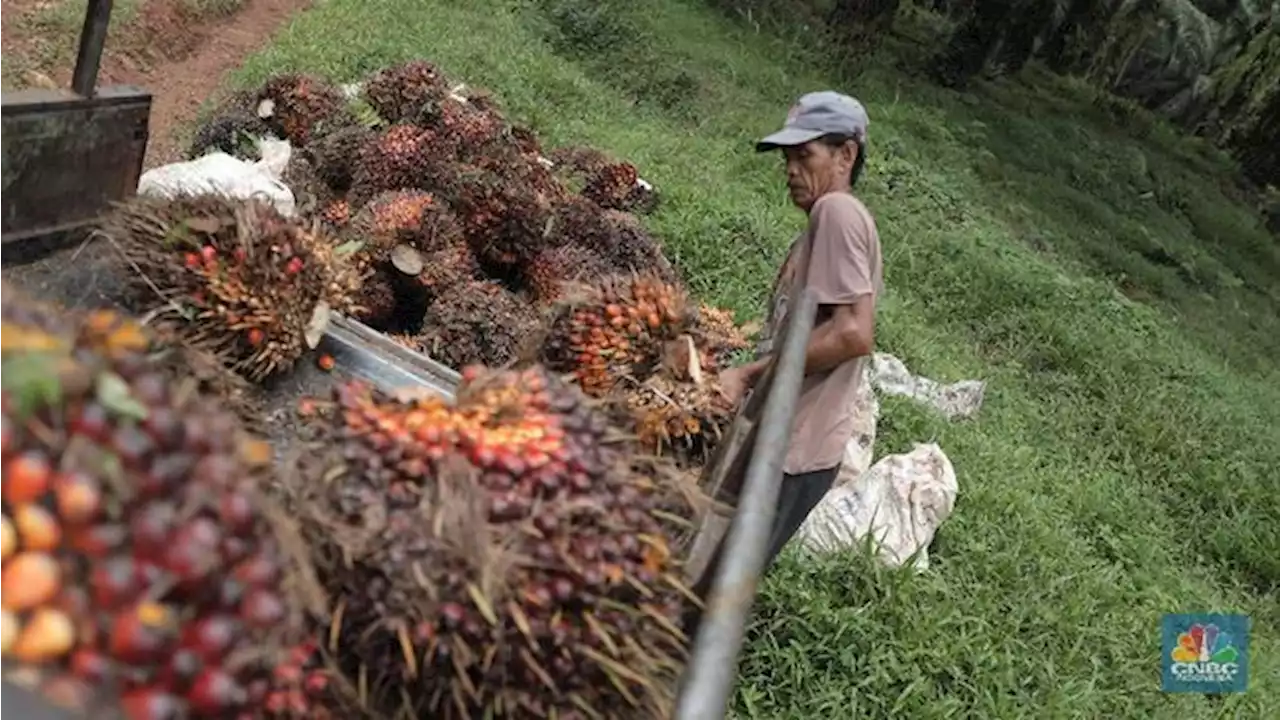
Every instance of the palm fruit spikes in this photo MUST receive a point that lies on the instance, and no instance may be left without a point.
(412, 217)
(297, 104)
(399, 93)
(618, 327)
(495, 557)
(237, 278)
(137, 555)
(677, 411)
(477, 322)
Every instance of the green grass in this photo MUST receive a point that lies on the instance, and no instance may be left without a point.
(1124, 308)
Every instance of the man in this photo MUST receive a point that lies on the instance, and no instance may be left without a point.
(838, 258)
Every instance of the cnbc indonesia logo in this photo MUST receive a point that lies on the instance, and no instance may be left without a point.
(1205, 654)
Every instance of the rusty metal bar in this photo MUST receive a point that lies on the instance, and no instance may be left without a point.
(93, 38)
(704, 693)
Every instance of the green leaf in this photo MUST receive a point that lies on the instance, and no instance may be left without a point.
(113, 392)
(31, 380)
(348, 247)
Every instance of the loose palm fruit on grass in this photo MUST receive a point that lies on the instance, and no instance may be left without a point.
(399, 93)
(235, 133)
(236, 278)
(398, 158)
(297, 104)
(506, 555)
(477, 322)
(138, 557)
(614, 328)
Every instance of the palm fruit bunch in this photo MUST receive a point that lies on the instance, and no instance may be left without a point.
(234, 132)
(406, 217)
(615, 328)
(555, 267)
(577, 162)
(237, 278)
(335, 153)
(399, 93)
(461, 126)
(447, 269)
(616, 236)
(139, 560)
(718, 337)
(477, 322)
(612, 186)
(677, 411)
(402, 156)
(310, 192)
(505, 556)
(507, 222)
(296, 104)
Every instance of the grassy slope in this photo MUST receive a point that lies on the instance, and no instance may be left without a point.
(1123, 466)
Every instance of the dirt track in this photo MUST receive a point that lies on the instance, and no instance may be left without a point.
(181, 59)
(181, 62)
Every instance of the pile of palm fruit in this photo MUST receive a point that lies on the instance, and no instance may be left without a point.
(475, 247)
(138, 554)
(512, 552)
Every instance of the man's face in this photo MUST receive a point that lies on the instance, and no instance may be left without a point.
(816, 168)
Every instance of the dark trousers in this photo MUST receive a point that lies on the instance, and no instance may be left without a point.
(797, 497)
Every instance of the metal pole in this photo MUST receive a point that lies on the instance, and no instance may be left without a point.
(93, 37)
(713, 667)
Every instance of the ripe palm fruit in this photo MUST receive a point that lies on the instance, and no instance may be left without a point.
(461, 125)
(447, 269)
(617, 327)
(610, 186)
(140, 559)
(506, 222)
(236, 278)
(335, 216)
(477, 322)
(400, 157)
(399, 93)
(297, 104)
(505, 556)
(547, 274)
(234, 132)
(413, 217)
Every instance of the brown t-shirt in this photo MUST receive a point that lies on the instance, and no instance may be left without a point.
(838, 258)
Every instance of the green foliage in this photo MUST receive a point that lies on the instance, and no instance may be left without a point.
(1121, 303)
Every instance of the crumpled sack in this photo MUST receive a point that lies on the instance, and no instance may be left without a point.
(900, 502)
(860, 449)
(955, 400)
(222, 174)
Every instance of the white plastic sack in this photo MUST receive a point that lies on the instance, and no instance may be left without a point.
(221, 174)
(957, 400)
(901, 502)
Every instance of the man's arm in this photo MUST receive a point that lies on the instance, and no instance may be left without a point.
(849, 333)
(840, 276)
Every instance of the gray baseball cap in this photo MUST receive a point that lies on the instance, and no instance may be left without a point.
(816, 114)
